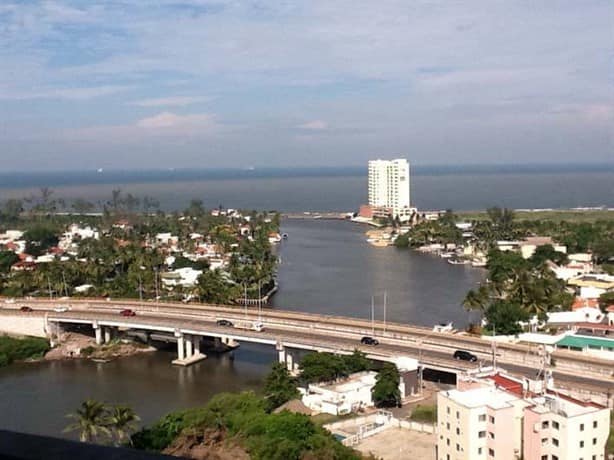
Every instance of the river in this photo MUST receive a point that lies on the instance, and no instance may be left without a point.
(326, 267)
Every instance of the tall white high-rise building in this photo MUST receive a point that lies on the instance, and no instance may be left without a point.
(389, 187)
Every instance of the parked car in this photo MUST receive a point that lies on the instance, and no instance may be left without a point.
(61, 309)
(465, 356)
(26, 309)
(366, 340)
(127, 312)
(224, 322)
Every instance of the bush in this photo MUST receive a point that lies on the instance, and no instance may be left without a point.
(424, 414)
(283, 436)
(87, 351)
(19, 349)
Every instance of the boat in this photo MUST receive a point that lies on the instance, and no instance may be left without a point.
(458, 261)
(100, 360)
(478, 263)
(443, 327)
(284, 236)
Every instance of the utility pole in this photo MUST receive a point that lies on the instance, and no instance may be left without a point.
(372, 316)
(65, 285)
(385, 295)
(140, 289)
(259, 303)
(49, 285)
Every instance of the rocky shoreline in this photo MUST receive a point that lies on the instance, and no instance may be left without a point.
(79, 346)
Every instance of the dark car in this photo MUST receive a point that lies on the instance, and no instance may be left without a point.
(369, 341)
(127, 312)
(26, 309)
(465, 356)
(224, 322)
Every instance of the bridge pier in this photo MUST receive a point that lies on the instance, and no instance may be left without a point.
(98, 332)
(188, 349)
(287, 357)
(107, 334)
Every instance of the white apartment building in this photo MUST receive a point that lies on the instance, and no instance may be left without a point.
(389, 182)
(502, 418)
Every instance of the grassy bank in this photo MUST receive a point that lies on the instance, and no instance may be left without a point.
(554, 215)
(19, 349)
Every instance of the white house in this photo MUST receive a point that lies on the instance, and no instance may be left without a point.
(185, 277)
(581, 315)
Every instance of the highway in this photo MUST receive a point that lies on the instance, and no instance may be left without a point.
(324, 333)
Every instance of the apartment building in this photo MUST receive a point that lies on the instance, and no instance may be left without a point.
(389, 187)
(503, 418)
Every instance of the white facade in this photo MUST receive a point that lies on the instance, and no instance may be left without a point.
(389, 182)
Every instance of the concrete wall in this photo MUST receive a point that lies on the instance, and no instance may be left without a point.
(22, 324)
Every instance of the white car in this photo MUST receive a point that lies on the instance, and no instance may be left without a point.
(61, 309)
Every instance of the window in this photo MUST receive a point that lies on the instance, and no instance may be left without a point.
(492, 419)
(555, 441)
(581, 426)
(545, 425)
(457, 430)
(457, 415)
(491, 435)
(482, 418)
(482, 434)
(448, 441)
(458, 448)
(491, 452)
(479, 451)
(554, 457)
(448, 410)
(594, 441)
(544, 457)
(555, 425)
(448, 425)
(544, 441)
(581, 444)
(595, 424)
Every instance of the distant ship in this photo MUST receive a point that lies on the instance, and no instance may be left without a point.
(100, 170)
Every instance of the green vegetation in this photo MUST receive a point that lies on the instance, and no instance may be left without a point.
(97, 422)
(126, 261)
(19, 349)
(554, 215)
(323, 367)
(515, 290)
(606, 299)
(609, 448)
(243, 419)
(386, 392)
(424, 414)
(279, 387)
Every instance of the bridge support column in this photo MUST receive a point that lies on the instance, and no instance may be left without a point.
(180, 349)
(107, 334)
(189, 350)
(98, 332)
(289, 362)
(196, 340)
(281, 353)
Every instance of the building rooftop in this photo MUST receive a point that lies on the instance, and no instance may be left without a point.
(486, 396)
(579, 341)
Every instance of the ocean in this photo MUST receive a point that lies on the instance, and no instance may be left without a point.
(331, 189)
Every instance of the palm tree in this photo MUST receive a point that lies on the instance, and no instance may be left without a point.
(123, 422)
(90, 421)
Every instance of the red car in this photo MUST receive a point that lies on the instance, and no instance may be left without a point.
(127, 312)
(26, 309)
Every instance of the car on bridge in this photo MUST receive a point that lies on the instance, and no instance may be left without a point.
(366, 340)
(224, 323)
(61, 309)
(127, 312)
(26, 309)
(465, 356)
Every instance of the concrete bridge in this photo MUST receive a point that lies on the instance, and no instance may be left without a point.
(290, 332)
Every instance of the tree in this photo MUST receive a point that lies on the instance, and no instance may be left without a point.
(12, 209)
(212, 287)
(90, 421)
(385, 392)
(7, 259)
(504, 317)
(279, 387)
(122, 422)
(357, 362)
(546, 253)
(82, 206)
(606, 299)
(478, 299)
(195, 208)
(39, 239)
(320, 367)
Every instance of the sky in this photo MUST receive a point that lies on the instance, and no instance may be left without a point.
(129, 84)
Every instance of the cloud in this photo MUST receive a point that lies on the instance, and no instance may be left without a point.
(162, 125)
(315, 125)
(173, 101)
(75, 94)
